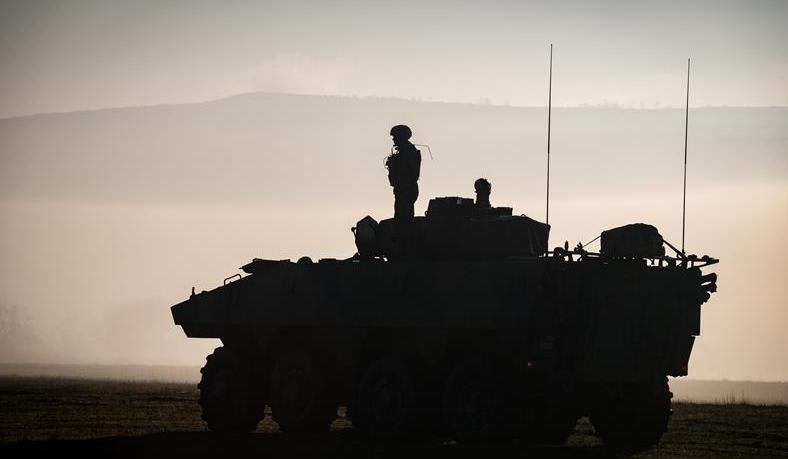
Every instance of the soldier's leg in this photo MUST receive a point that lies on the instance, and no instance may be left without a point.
(400, 207)
(407, 209)
(413, 196)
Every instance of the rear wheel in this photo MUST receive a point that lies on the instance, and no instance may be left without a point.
(230, 398)
(553, 425)
(550, 412)
(386, 405)
(633, 416)
(299, 395)
(476, 404)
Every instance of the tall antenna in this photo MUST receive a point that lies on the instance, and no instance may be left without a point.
(549, 109)
(686, 127)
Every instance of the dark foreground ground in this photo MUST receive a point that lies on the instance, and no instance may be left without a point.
(132, 419)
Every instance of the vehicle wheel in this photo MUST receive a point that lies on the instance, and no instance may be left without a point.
(552, 426)
(475, 403)
(299, 401)
(229, 397)
(386, 405)
(634, 416)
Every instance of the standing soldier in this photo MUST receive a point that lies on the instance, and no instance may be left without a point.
(404, 165)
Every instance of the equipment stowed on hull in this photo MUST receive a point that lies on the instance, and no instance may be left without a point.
(636, 240)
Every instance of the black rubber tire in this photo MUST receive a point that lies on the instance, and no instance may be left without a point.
(552, 426)
(229, 398)
(299, 396)
(550, 412)
(476, 403)
(386, 403)
(635, 416)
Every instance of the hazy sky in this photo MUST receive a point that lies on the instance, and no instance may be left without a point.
(70, 55)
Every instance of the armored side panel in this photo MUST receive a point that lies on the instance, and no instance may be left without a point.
(619, 320)
(365, 294)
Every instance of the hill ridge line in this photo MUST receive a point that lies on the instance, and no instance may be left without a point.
(348, 98)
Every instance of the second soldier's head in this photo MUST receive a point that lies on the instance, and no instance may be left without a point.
(400, 134)
(483, 187)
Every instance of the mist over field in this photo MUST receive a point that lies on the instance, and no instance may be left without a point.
(108, 217)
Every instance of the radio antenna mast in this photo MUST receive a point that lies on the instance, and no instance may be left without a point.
(549, 109)
(686, 126)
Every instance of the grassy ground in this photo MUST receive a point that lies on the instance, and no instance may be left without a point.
(41, 415)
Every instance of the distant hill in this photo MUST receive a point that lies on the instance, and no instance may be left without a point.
(269, 148)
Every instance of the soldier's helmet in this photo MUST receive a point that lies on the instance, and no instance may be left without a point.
(401, 131)
(482, 186)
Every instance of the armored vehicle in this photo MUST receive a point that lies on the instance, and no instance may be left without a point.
(459, 324)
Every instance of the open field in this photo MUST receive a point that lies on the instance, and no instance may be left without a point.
(40, 415)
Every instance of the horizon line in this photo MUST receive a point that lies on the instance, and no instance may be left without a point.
(181, 365)
(610, 105)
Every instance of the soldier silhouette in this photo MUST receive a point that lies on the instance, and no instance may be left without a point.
(404, 165)
(483, 188)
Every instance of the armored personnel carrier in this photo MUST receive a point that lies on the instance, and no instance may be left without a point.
(460, 324)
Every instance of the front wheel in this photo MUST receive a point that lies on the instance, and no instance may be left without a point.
(231, 399)
(299, 395)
